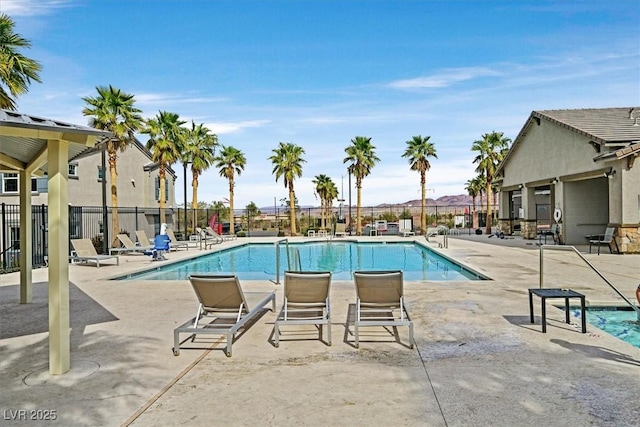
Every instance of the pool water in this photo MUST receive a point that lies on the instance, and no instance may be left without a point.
(257, 261)
(621, 322)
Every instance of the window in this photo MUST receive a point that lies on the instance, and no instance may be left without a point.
(73, 170)
(100, 174)
(166, 189)
(10, 183)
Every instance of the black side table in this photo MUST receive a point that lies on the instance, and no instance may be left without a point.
(549, 293)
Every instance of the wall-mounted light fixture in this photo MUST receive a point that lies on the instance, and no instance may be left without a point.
(554, 181)
(610, 174)
(521, 186)
(133, 182)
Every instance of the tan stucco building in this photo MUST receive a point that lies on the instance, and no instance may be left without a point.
(138, 182)
(576, 168)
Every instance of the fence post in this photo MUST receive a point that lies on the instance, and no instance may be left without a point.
(4, 236)
(43, 228)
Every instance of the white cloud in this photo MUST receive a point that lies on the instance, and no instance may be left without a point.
(221, 128)
(32, 7)
(445, 78)
(162, 99)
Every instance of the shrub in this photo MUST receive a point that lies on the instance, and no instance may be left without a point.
(98, 243)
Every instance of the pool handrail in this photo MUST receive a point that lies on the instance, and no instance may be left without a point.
(277, 246)
(593, 267)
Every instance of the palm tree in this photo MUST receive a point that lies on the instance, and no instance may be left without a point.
(166, 142)
(16, 70)
(491, 150)
(322, 183)
(231, 161)
(363, 158)
(473, 189)
(418, 151)
(114, 111)
(331, 194)
(287, 163)
(200, 151)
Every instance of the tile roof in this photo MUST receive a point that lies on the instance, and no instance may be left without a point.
(603, 125)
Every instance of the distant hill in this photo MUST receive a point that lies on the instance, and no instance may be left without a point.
(458, 200)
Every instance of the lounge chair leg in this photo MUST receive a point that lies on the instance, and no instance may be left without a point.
(329, 332)
(176, 343)
(357, 336)
(229, 344)
(411, 335)
(276, 335)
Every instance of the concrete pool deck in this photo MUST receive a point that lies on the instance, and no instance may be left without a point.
(477, 360)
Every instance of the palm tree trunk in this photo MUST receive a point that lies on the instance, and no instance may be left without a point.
(488, 229)
(115, 225)
(232, 222)
(292, 209)
(358, 205)
(423, 188)
(162, 175)
(194, 200)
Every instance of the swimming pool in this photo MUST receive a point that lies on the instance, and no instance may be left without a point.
(256, 261)
(621, 322)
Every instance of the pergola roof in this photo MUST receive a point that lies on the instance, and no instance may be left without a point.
(27, 144)
(23, 140)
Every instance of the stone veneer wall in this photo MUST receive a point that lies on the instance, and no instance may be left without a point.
(504, 224)
(628, 238)
(529, 229)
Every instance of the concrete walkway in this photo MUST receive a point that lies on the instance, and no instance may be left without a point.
(478, 360)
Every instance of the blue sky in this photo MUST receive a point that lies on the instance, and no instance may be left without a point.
(319, 73)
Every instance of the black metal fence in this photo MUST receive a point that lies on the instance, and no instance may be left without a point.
(89, 222)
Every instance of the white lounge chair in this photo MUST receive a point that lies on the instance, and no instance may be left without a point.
(84, 251)
(223, 308)
(341, 230)
(207, 239)
(306, 302)
(143, 239)
(211, 232)
(406, 232)
(175, 243)
(129, 246)
(380, 302)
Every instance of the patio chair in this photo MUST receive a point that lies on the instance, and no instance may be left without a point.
(341, 229)
(175, 243)
(380, 302)
(545, 232)
(84, 251)
(129, 246)
(306, 302)
(223, 308)
(605, 239)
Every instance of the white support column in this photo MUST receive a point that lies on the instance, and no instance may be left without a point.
(26, 232)
(58, 223)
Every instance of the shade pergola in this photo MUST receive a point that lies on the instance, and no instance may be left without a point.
(32, 146)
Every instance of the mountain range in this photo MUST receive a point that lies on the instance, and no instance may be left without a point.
(459, 200)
